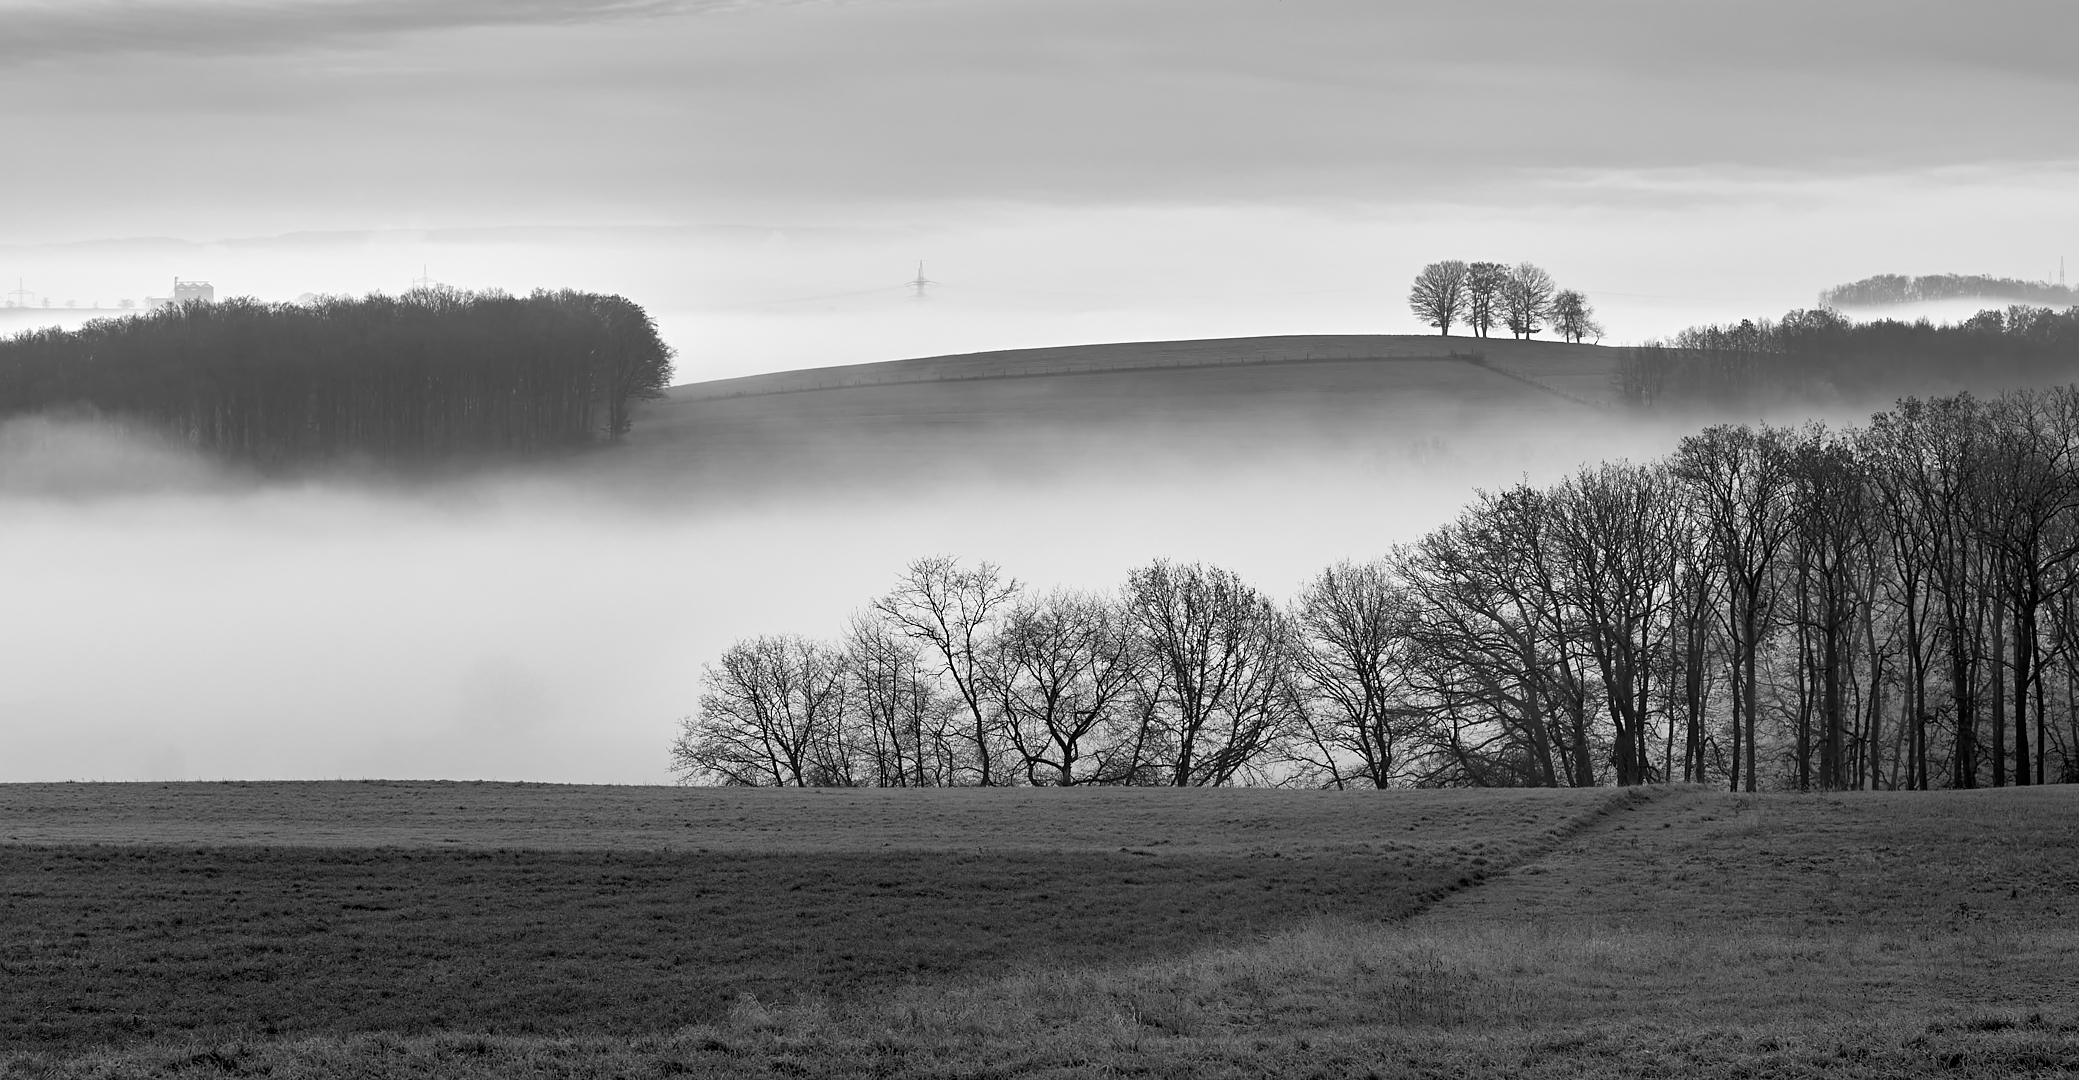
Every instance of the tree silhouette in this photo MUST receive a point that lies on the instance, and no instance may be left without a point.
(429, 374)
(1484, 282)
(1573, 317)
(1438, 296)
(1526, 300)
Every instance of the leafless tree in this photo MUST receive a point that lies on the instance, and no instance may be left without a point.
(772, 716)
(952, 612)
(1574, 317)
(2030, 500)
(1438, 297)
(1228, 701)
(1484, 282)
(1899, 470)
(1830, 505)
(1354, 621)
(1740, 483)
(1065, 677)
(900, 721)
(1526, 300)
(1613, 526)
(1494, 653)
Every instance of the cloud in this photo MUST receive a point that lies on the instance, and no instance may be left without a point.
(43, 30)
(619, 111)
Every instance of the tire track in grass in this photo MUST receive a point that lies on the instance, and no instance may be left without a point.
(1605, 814)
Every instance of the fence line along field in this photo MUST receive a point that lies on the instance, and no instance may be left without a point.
(499, 930)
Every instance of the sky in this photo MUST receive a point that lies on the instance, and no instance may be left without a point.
(764, 176)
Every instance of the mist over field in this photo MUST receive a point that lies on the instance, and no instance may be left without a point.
(182, 619)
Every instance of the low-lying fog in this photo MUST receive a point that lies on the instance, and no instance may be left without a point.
(170, 619)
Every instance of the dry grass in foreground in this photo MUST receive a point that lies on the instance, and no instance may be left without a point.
(1701, 934)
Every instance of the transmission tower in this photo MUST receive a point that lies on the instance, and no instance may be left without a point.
(19, 295)
(920, 283)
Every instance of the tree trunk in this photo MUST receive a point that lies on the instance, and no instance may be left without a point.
(1999, 689)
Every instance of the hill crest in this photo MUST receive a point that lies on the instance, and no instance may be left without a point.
(1576, 372)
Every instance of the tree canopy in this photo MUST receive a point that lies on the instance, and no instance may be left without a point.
(431, 373)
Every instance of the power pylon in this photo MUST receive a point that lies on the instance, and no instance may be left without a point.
(920, 283)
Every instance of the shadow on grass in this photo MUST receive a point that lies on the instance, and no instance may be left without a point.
(106, 946)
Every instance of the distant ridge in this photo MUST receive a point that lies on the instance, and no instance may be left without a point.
(1121, 357)
(1884, 290)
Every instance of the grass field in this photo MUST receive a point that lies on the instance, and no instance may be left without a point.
(1394, 397)
(1584, 367)
(1673, 933)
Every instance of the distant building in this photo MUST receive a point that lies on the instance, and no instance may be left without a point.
(184, 291)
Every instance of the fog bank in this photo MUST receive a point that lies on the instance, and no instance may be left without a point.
(170, 619)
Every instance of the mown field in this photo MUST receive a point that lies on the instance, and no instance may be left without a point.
(1676, 932)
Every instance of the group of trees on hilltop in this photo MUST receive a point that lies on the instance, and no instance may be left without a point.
(1522, 299)
(1884, 289)
(1891, 606)
(1809, 356)
(430, 373)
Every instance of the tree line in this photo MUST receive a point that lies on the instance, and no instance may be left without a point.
(1883, 289)
(1888, 606)
(1820, 354)
(1483, 295)
(430, 373)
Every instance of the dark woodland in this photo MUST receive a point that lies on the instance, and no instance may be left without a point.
(429, 374)
(1894, 606)
(1818, 355)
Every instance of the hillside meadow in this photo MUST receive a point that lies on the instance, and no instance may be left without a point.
(373, 931)
(1396, 403)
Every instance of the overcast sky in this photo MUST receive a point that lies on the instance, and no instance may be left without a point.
(1072, 170)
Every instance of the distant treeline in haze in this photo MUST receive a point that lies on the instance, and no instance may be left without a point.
(1884, 289)
(1892, 606)
(431, 373)
(1814, 356)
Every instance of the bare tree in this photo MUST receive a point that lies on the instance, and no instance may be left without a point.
(899, 718)
(1484, 282)
(1830, 505)
(2031, 496)
(1354, 621)
(952, 611)
(1493, 655)
(1613, 525)
(1228, 700)
(1438, 297)
(1574, 317)
(1067, 672)
(772, 716)
(1739, 480)
(1526, 300)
